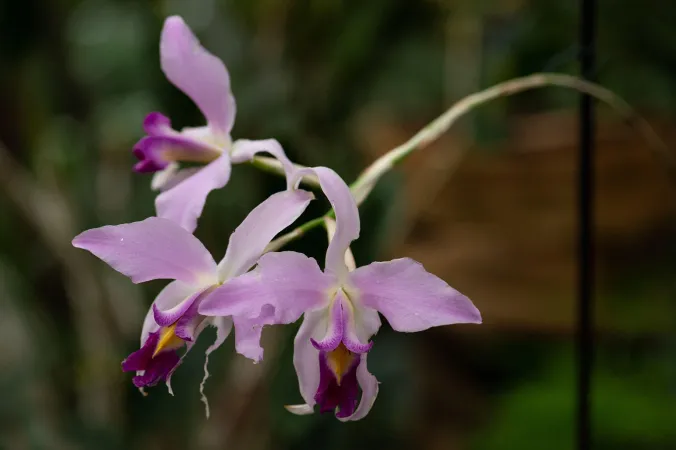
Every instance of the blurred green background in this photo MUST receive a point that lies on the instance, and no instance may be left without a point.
(339, 83)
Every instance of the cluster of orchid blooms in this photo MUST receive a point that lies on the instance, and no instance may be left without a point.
(251, 288)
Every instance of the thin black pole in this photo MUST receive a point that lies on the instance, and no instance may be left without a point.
(585, 337)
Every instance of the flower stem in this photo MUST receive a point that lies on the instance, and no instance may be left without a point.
(365, 183)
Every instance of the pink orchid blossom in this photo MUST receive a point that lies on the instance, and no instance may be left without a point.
(204, 78)
(158, 248)
(341, 307)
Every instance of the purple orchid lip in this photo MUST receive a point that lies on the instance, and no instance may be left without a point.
(148, 165)
(156, 124)
(156, 152)
(155, 368)
(163, 145)
(159, 369)
(338, 391)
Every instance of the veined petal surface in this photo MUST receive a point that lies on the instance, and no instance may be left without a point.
(347, 217)
(410, 298)
(248, 241)
(245, 296)
(184, 202)
(245, 149)
(369, 391)
(151, 249)
(306, 356)
(199, 74)
(296, 282)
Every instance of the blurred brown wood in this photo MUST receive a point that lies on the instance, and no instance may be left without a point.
(500, 226)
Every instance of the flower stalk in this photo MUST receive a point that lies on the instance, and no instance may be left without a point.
(363, 186)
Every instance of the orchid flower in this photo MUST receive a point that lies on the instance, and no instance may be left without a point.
(341, 306)
(204, 78)
(158, 248)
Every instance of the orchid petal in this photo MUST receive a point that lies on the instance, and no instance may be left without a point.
(152, 249)
(170, 176)
(306, 356)
(191, 323)
(247, 243)
(334, 331)
(363, 325)
(184, 202)
(248, 302)
(342, 328)
(347, 217)
(369, 391)
(157, 124)
(200, 325)
(149, 367)
(354, 341)
(300, 410)
(297, 283)
(166, 317)
(223, 327)
(173, 294)
(245, 296)
(199, 74)
(156, 152)
(244, 150)
(162, 178)
(248, 338)
(330, 225)
(411, 298)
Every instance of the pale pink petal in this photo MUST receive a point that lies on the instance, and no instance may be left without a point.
(167, 316)
(248, 338)
(358, 326)
(170, 176)
(162, 179)
(249, 302)
(347, 217)
(410, 298)
(247, 243)
(369, 391)
(366, 323)
(306, 356)
(330, 225)
(342, 327)
(152, 249)
(297, 283)
(335, 329)
(184, 202)
(223, 327)
(245, 296)
(244, 150)
(199, 74)
(172, 295)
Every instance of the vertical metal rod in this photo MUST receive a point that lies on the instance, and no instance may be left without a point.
(585, 306)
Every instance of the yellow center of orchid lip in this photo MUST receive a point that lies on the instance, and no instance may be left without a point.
(168, 340)
(339, 361)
